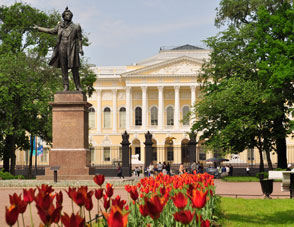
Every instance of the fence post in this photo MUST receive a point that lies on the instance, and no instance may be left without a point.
(126, 167)
(148, 148)
(192, 147)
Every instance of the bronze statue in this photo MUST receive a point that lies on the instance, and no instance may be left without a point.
(69, 46)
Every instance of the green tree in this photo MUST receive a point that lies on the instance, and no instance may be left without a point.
(237, 117)
(27, 83)
(256, 46)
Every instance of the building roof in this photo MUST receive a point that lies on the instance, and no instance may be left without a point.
(168, 53)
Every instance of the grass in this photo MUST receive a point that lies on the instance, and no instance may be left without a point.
(240, 179)
(257, 212)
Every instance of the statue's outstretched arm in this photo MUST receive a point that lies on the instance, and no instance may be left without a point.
(47, 30)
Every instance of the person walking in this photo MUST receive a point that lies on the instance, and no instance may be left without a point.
(159, 167)
(168, 168)
(119, 171)
(181, 169)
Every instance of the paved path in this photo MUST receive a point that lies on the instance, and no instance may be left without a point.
(223, 188)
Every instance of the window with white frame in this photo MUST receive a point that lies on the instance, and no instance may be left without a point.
(107, 117)
(91, 117)
(186, 111)
(138, 116)
(170, 115)
(106, 154)
(154, 116)
(122, 117)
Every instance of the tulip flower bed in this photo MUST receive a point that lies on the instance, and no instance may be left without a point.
(184, 200)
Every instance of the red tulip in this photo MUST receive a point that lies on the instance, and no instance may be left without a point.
(44, 201)
(88, 201)
(116, 218)
(162, 190)
(49, 216)
(134, 193)
(70, 192)
(46, 189)
(205, 223)
(106, 202)
(18, 202)
(73, 220)
(198, 198)
(99, 179)
(184, 217)
(11, 215)
(118, 202)
(154, 206)
(99, 193)
(29, 195)
(80, 196)
(180, 200)
(143, 210)
(109, 190)
(59, 198)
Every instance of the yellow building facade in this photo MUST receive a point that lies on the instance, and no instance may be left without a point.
(152, 95)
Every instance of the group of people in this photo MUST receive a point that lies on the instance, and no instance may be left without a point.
(198, 167)
(160, 168)
(225, 170)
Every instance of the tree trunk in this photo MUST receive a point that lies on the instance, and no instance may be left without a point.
(261, 164)
(10, 152)
(31, 159)
(6, 154)
(282, 153)
(281, 141)
(269, 161)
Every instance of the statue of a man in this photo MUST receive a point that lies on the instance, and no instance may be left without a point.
(69, 46)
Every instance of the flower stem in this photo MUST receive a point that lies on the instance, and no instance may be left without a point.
(32, 224)
(72, 207)
(90, 218)
(23, 220)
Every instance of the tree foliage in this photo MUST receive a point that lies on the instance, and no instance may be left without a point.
(257, 47)
(27, 83)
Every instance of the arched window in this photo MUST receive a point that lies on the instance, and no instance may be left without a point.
(186, 110)
(154, 116)
(91, 117)
(170, 115)
(107, 117)
(122, 117)
(138, 116)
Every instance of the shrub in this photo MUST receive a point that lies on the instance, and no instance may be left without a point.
(265, 174)
(9, 176)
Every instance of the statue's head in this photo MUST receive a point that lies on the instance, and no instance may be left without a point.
(67, 14)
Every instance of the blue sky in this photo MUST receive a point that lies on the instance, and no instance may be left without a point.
(122, 32)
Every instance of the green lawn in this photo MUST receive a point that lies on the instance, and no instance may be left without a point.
(257, 212)
(240, 179)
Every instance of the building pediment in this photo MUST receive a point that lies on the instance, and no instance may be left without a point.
(182, 66)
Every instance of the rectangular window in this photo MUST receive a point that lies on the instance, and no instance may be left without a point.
(106, 154)
(122, 117)
(250, 154)
(170, 153)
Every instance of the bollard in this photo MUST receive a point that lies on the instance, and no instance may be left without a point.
(55, 168)
(291, 185)
(55, 176)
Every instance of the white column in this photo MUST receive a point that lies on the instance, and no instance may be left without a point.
(193, 94)
(193, 99)
(144, 107)
(160, 107)
(177, 107)
(114, 111)
(128, 107)
(99, 116)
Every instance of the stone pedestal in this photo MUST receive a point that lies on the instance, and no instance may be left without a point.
(70, 137)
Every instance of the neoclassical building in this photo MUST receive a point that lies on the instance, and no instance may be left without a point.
(152, 95)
